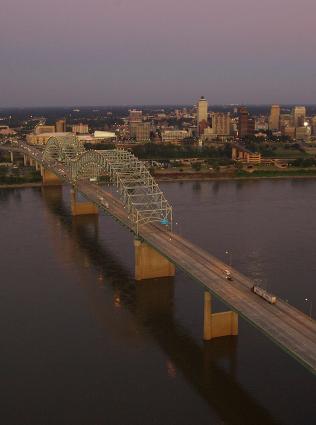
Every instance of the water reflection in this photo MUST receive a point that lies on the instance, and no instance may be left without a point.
(209, 368)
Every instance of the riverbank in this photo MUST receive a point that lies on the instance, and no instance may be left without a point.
(169, 179)
(249, 176)
(188, 177)
(20, 185)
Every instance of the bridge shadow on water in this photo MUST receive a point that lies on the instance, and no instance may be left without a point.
(151, 304)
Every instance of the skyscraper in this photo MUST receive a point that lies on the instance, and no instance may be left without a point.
(140, 131)
(221, 123)
(135, 116)
(243, 118)
(298, 116)
(274, 118)
(202, 107)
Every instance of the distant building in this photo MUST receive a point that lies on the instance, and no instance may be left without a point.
(302, 133)
(298, 116)
(5, 130)
(60, 126)
(221, 123)
(202, 107)
(80, 128)
(239, 153)
(288, 131)
(135, 116)
(285, 120)
(208, 134)
(42, 138)
(140, 131)
(274, 118)
(261, 123)
(161, 117)
(246, 125)
(251, 126)
(172, 136)
(104, 135)
(40, 129)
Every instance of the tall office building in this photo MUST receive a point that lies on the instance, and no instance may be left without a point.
(140, 131)
(135, 116)
(221, 123)
(60, 126)
(274, 118)
(243, 122)
(298, 116)
(202, 107)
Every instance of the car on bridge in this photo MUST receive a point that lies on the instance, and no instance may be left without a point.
(228, 274)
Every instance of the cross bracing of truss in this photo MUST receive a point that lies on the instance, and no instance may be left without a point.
(62, 148)
(138, 190)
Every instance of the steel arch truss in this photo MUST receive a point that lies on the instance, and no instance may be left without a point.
(138, 190)
(62, 148)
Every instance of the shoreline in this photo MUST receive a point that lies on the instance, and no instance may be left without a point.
(179, 179)
(20, 185)
(231, 178)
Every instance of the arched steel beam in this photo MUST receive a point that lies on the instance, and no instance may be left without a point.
(62, 148)
(138, 190)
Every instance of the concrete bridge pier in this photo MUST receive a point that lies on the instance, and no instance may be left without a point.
(218, 324)
(149, 263)
(12, 157)
(81, 208)
(49, 178)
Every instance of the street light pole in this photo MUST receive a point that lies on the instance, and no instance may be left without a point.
(310, 306)
(227, 252)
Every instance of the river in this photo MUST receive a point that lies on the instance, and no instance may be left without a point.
(83, 344)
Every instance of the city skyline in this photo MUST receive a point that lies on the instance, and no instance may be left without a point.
(120, 52)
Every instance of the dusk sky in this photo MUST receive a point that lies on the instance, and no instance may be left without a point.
(115, 52)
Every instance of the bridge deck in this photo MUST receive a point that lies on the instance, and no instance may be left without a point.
(286, 326)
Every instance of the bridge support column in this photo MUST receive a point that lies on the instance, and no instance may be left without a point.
(25, 160)
(37, 166)
(49, 178)
(218, 324)
(82, 208)
(12, 157)
(149, 263)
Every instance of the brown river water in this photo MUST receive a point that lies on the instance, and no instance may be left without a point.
(83, 344)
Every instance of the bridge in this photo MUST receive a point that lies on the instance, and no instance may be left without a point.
(141, 207)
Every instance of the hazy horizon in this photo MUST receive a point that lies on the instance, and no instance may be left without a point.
(121, 53)
(158, 105)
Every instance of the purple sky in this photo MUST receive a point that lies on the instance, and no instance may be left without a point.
(113, 52)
